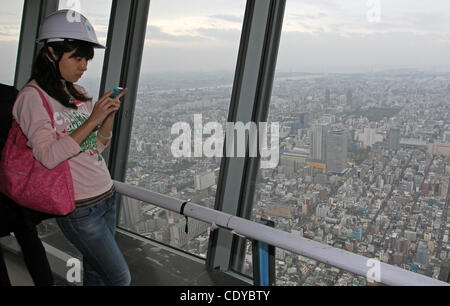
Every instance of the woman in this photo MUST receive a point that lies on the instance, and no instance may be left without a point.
(85, 131)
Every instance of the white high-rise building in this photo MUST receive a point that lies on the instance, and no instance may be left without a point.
(369, 137)
(394, 138)
(336, 151)
(319, 142)
(447, 136)
(203, 181)
(322, 211)
(131, 213)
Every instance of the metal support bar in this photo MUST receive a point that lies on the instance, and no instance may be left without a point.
(114, 54)
(126, 37)
(251, 69)
(260, 114)
(28, 35)
(354, 263)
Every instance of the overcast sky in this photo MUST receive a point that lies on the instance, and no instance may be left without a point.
(318, 35)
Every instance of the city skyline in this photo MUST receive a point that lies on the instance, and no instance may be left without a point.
(318, 36)
(390, 203)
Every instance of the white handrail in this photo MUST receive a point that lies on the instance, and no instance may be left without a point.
(351, 262)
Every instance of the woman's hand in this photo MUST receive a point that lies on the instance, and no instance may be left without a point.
(117, 103)
(102, 115)
(106, 127)
(105, 107)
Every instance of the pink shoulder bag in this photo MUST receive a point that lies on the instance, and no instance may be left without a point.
(27, 182)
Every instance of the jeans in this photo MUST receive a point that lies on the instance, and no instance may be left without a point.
(91, 230)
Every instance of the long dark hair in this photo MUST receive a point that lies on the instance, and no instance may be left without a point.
(47, 74)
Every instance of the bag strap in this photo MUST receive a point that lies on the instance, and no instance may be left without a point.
(47, 106)
(45, 102)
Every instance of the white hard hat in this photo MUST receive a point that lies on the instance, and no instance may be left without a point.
(68, 24)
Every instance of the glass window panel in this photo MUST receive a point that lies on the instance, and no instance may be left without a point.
(362, 94)
(98, 13)
(10, 23)
(187, 72)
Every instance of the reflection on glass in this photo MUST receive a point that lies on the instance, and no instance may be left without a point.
(187, 72)
(98, 13)
(10, 23)
(364, 163)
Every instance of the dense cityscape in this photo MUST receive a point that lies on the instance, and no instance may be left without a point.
(364, 166)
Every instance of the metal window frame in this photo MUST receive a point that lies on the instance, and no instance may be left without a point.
(123, 58)
(250, 102)
(121, 67)
(261, 112)
(28, 35)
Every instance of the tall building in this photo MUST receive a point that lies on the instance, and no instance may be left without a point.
(301, 123)
(349, 97)
(304, 120)
(394, 139)
(204, 181)
(411, 236)
(448, 88)
(319, 142)
(336, 151)
(369, 137)
(402, 247)
(131, 212)
(322, 211)
(446, 137)
(327, 96)
(423, 254)
(178, 235)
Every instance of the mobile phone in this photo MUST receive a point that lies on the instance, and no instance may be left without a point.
(116, 92)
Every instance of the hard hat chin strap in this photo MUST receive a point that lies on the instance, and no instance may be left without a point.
(55, 61)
